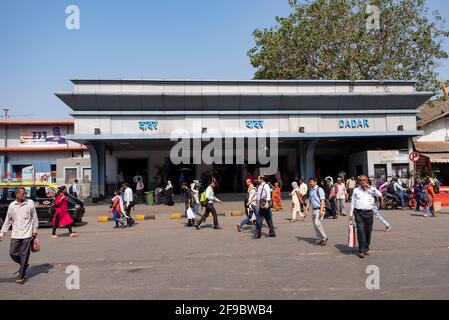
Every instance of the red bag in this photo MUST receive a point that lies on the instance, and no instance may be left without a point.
(352, 239)
(35, 245)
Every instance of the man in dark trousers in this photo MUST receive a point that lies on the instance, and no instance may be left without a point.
(362, 203)
(264, 200)
(23, 218)
(210, 199)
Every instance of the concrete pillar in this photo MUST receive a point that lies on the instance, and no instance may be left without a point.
(310, 159)
(97, 153)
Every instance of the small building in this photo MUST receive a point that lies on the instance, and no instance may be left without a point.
(40, 151)
(433, 144)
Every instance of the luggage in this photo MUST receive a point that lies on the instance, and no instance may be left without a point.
(203, 199)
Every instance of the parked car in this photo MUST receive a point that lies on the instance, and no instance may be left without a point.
(42, 193)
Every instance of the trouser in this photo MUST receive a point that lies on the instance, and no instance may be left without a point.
(20, 253)
(418, 200)
(331, 207)
(268, 216)
(55, 226)
(209, 209)
(400, 195)
(320, 234)
(117, 218)
(296, 209)
(351, 191)
(250, 214)
(340, 206)
(129, 220)
(379, 217)
(364, 222)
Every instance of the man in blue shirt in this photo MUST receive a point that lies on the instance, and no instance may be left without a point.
(317, 200)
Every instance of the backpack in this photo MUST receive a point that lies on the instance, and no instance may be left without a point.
(203, 199)
(71, 189)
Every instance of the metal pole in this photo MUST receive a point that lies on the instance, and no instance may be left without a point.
(5, 159)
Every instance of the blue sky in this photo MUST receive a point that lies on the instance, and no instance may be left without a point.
(171, 39)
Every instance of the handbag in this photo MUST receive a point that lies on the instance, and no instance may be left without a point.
(35, 245)
(352, 239)
(190, 214)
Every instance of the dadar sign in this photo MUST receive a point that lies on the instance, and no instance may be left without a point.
(353, 123)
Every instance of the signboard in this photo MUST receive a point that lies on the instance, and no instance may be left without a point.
(28, 173)
(254, 124)
(43, 136)
(414, 156)
(353, 123)
(148, 125)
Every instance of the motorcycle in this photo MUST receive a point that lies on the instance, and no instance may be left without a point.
(392, 202)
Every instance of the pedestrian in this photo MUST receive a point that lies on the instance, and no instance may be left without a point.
(297, 202)
(264, 201)
(417, 190)
(188, 203)
(117, 209)
(379, 182)
(210, 209)
(181, 180)
(62, 217)
(340, 196)
(350, 185)
(169, 194)
(303, 190)
(278, 177)
(277, 201)
(431, 198)
(73, 190)
(139, 189)
(194, 187)
(317, 203)
(22, 216)
(129, 204)
(377, 204)
(251, 205)
(362, 203)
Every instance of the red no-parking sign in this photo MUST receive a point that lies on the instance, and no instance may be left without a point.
(414, 156)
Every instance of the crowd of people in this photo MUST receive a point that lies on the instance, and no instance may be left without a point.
(262, 198)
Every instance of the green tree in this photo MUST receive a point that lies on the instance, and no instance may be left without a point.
(328, 39)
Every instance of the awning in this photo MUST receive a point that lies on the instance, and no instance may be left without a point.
(437, 157)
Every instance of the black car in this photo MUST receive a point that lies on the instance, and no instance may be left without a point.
(42, 195)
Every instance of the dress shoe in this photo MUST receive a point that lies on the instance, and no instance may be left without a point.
(360, 255)
(20, 280)
(257, 236)
(323, 243)
(319, 243)
(218, 228)
(366, 253)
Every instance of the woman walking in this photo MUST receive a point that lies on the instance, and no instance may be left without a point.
(297, 200)
(62, 217)
(277, 201)
(117, 209)
(169, 194)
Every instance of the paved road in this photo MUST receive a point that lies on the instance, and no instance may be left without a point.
(163, 259)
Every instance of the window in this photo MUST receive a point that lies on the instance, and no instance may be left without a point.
(380, 170)
(400, 170)
(70, 175)
(86, 175)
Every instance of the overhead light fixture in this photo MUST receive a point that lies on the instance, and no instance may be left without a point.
(204, 130)
(301, 129)
(97, 131)
(401, 128)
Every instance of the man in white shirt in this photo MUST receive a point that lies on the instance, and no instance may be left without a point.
(129, 203)
(23, 218)
(73, 190)
(264, 201)
(303, 189)
(362, 203)
(210, 198)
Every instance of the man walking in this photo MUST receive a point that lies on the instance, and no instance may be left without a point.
(350, 185)
(317, 200)
(303, 190)
(340, 196)
(263, 197)
(23, 218)
(363, 201)
(210, 198)
(129, 203)
(73, 190)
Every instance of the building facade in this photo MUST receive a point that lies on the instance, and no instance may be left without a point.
(33, 151)
(127, 125)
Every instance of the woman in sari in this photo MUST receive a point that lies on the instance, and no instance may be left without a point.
(297, 200)
(277, 201)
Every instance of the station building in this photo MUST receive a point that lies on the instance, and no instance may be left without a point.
(323, 127)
